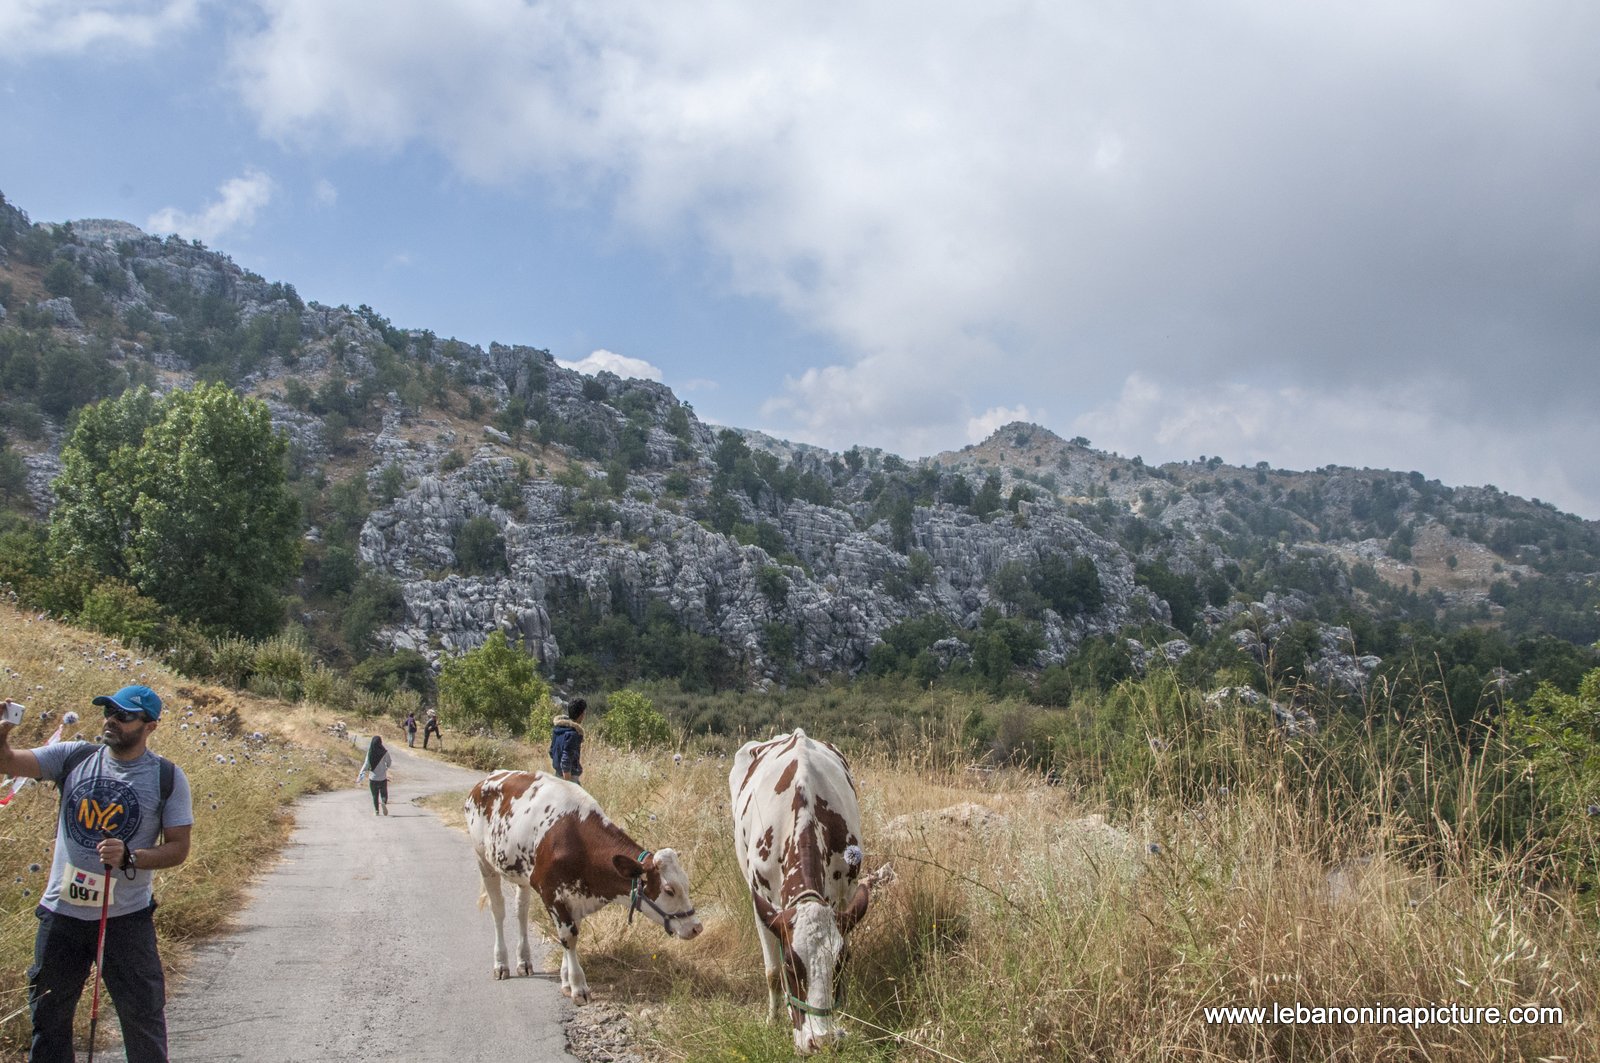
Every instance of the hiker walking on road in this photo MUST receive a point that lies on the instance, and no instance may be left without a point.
(377, 766)
(432, 728)
(566, 741)
(411, 728)
(124, 813)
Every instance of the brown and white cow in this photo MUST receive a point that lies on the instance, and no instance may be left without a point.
(797, 828)
(548, 835)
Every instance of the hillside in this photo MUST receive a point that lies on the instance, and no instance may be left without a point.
(452, 490)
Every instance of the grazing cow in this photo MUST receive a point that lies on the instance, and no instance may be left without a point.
(546, 834)
(797, 828)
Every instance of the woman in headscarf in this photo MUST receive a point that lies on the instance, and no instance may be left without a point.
(377, 766)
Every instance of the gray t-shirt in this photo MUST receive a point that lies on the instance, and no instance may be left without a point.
(104, 797)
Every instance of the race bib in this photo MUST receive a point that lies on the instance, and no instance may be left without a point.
(85, 888)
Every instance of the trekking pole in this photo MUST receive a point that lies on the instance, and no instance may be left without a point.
(99, 959)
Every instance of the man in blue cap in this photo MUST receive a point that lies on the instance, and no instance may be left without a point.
(124, 813)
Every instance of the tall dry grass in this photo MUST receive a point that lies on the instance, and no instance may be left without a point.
(242, 787)
(1229, 867)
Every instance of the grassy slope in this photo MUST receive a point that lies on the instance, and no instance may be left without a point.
(1042, 933)
(242, 803)
(1032, 933)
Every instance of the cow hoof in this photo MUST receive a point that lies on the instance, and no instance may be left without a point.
(581, 997)
(525, 970)
(500, 973)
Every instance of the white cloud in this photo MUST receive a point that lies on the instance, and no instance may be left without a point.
(983, 426)
(325, 193)
(239, 200)
(1237, 191)
(67, 27)
(1366, 426)
(607, 361)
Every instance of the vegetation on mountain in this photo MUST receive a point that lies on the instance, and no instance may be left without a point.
(446, 492)
(495, 686)
(183, 497)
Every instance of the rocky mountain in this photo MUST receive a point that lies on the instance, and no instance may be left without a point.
(499, 490)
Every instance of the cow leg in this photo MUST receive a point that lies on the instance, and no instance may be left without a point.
(524, 950)
(572, 980)
(772, 960)
(497, 906)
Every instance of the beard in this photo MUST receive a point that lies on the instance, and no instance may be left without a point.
(117, 739)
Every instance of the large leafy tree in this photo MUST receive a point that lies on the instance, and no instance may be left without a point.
(495, 685)
(185, 497)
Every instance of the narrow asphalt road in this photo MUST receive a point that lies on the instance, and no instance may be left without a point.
(365, 942)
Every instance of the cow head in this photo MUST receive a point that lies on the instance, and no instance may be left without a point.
(813, 940)
(661, 891)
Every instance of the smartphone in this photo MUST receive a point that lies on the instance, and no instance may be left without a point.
(14, 711)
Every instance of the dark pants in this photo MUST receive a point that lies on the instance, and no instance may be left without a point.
(63, 953)
(380, 791)
(431, 730)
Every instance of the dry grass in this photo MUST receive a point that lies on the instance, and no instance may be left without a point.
(1030, 921)
(242, 786)
(1025, 926)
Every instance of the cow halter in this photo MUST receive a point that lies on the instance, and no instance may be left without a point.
(637, 901)
(796, 1003)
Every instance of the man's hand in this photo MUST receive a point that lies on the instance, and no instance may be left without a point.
(111, 852)
(19, 762)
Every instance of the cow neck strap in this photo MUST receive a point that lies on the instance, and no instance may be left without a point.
(637, 901)
(795, 1002)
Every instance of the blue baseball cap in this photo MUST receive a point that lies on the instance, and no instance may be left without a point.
(134, 699)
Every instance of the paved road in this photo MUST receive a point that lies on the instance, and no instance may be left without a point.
(365, 942)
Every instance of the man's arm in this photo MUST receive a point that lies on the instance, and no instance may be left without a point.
(173, 850)
(19, 762)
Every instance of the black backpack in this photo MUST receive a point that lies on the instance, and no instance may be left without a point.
(168, 778)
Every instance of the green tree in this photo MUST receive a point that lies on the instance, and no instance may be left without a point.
(13, 477)
(987, 500)
(631, 719)
(185, 497)
(495, 686)
(1557, 737)
(480, 548)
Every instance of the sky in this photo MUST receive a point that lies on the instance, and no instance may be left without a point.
(1364, 233)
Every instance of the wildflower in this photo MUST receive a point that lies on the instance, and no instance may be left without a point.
(34, 868)
(1594, 810)
(1155, 848)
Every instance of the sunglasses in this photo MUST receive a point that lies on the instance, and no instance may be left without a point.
(124, 716)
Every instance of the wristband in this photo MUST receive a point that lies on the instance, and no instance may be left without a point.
(129, 860)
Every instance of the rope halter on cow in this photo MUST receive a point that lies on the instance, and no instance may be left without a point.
(637, 901)
(796, 1003)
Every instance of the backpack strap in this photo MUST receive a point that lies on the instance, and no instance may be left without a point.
(169, 779)
(76, 757)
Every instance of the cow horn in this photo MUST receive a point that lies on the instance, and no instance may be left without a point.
(857, 908)
(772, 918)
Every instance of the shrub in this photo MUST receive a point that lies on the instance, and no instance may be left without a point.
(632, 720)
(480, 549)
(492, 686)
(233, 661)
(285, 661)
(116, 609)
